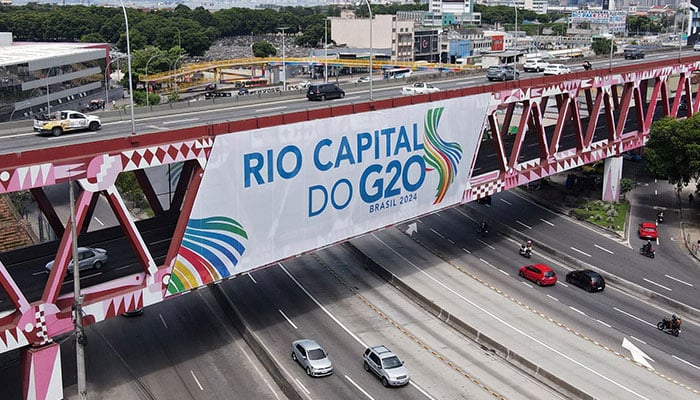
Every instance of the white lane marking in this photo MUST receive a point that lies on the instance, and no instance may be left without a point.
(466, 251)
(657, 240)
(437, 233)
(451, 241)
(633, 316)
(683, 361)
(678, 280)
(491, 155)
(577, 310)
(527, 226)
(656, 193)
(579, 251)
(163, 321)
(73, 135)
(659, 285)
(603, 323)
(20, 135)
(533, 144)
(302, 386)
(287, 318)
(510, 325)
(526, 284)
(251, 278)
(179, 121)
(504, 272)
(487, 263)
(639, 340)
(261, 110)
(359, 388)
(486, 244)
(546, 222)
(603, 248)
(552, 297)
(506, 201)
(98, 221)
(196, 380)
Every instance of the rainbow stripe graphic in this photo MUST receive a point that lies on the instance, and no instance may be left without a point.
(440, 155)
(208, 247)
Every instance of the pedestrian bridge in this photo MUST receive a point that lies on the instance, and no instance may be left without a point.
(248, 193)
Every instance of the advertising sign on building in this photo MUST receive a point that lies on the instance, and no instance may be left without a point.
(272, 193)
(616, 20)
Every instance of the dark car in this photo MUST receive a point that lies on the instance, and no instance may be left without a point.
(633, 53)
(541, 274)
(324, 91)
(586, 279)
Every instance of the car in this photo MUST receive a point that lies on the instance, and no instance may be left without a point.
(311, 356)
(586, 279)
(323, 91)
(556, 69)
(61, 122)
(363, 79)
(541, 274)
(696, 46)
(629, 155)
(386, 366)
(647, 230)
(305, 83)
(243, 91)
(633, 53)
(88, 257)
(502, 73)
(419, 88)
(535, 65)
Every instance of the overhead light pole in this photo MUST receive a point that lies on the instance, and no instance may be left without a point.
(131, 82)
(284, 61)
(325, 46)
(148, 87)
(80, 338)
(369, 7)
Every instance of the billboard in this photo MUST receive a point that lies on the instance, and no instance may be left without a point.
(616, 20)
(272, 193)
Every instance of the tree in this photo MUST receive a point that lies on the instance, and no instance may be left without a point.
(264, 49)
(673, 150)
(602, 46)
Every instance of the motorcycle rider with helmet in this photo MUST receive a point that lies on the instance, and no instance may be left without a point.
(647, 247)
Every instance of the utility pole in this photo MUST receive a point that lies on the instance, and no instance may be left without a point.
(80, 338)
(284, 61)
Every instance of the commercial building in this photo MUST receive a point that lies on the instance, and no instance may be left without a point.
(43, 77)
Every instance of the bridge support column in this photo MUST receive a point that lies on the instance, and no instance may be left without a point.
(42, 378)
(611, 179)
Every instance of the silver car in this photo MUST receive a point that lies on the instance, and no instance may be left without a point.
(386, 365)
(311, 357)
(88, 257)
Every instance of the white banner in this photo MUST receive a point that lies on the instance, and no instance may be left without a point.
(273, 193)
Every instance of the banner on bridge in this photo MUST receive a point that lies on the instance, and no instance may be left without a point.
(277, 192)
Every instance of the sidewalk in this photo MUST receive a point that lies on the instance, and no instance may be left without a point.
(690, 219)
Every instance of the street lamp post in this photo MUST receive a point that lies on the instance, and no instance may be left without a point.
(48, 99)
(172, 68)
(108, 79)
(131, 82)
(371, 50)
(80, 338)
(325, 46)
(284, 62)
(148, 87)
(515, 57)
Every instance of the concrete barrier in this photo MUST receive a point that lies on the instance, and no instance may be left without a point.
(473, 333)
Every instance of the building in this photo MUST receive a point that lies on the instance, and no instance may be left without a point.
(454, 12)
(388, 33)
(41, 77)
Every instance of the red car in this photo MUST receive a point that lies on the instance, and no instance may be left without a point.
(541, 274)
(647, 230)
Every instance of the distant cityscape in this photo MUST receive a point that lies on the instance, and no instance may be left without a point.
(210, 5)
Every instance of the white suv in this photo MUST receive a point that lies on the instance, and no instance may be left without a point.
(556, 69)
(535, 65)
(386, 365)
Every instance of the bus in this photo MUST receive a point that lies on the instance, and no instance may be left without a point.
(397, 73)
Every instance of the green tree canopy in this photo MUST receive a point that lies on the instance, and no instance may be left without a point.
(601, 46)
(673, 150)
(264, 49)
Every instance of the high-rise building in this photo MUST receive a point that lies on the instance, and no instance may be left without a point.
(457, 10)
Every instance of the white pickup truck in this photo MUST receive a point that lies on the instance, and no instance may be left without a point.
(419, 88)
(65, 121)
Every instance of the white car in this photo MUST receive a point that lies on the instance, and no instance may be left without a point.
(556, 69)
(419, 88)
(696, 46)
(535, 65)
(363, 79)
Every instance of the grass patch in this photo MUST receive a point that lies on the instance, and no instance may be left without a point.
(602, 213)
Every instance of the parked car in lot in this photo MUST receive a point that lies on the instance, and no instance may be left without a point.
(386, 365)
(535, 65)
(88, 257)
(586, 279)
(541, 274)
(311, 356)
(556, 69)
(323, 91)
(647, 230)
(502, 73)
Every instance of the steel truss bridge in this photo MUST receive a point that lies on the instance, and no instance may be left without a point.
(607, 113)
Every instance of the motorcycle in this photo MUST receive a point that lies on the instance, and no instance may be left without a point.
(651, 253)
(587, 66)
(665, 325)
(483, 230)
(525, 252)
(659, 218)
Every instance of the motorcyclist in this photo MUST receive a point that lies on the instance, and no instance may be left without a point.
(675, 322)
(647, 247)
(587, 65)
(660, 216)
(484, 226)
(526, 247)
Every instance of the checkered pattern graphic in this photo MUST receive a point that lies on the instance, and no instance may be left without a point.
(42, 332)
(487, 189)
(166, 154)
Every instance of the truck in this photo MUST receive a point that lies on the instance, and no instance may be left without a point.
(419, 88)
(57, 123)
